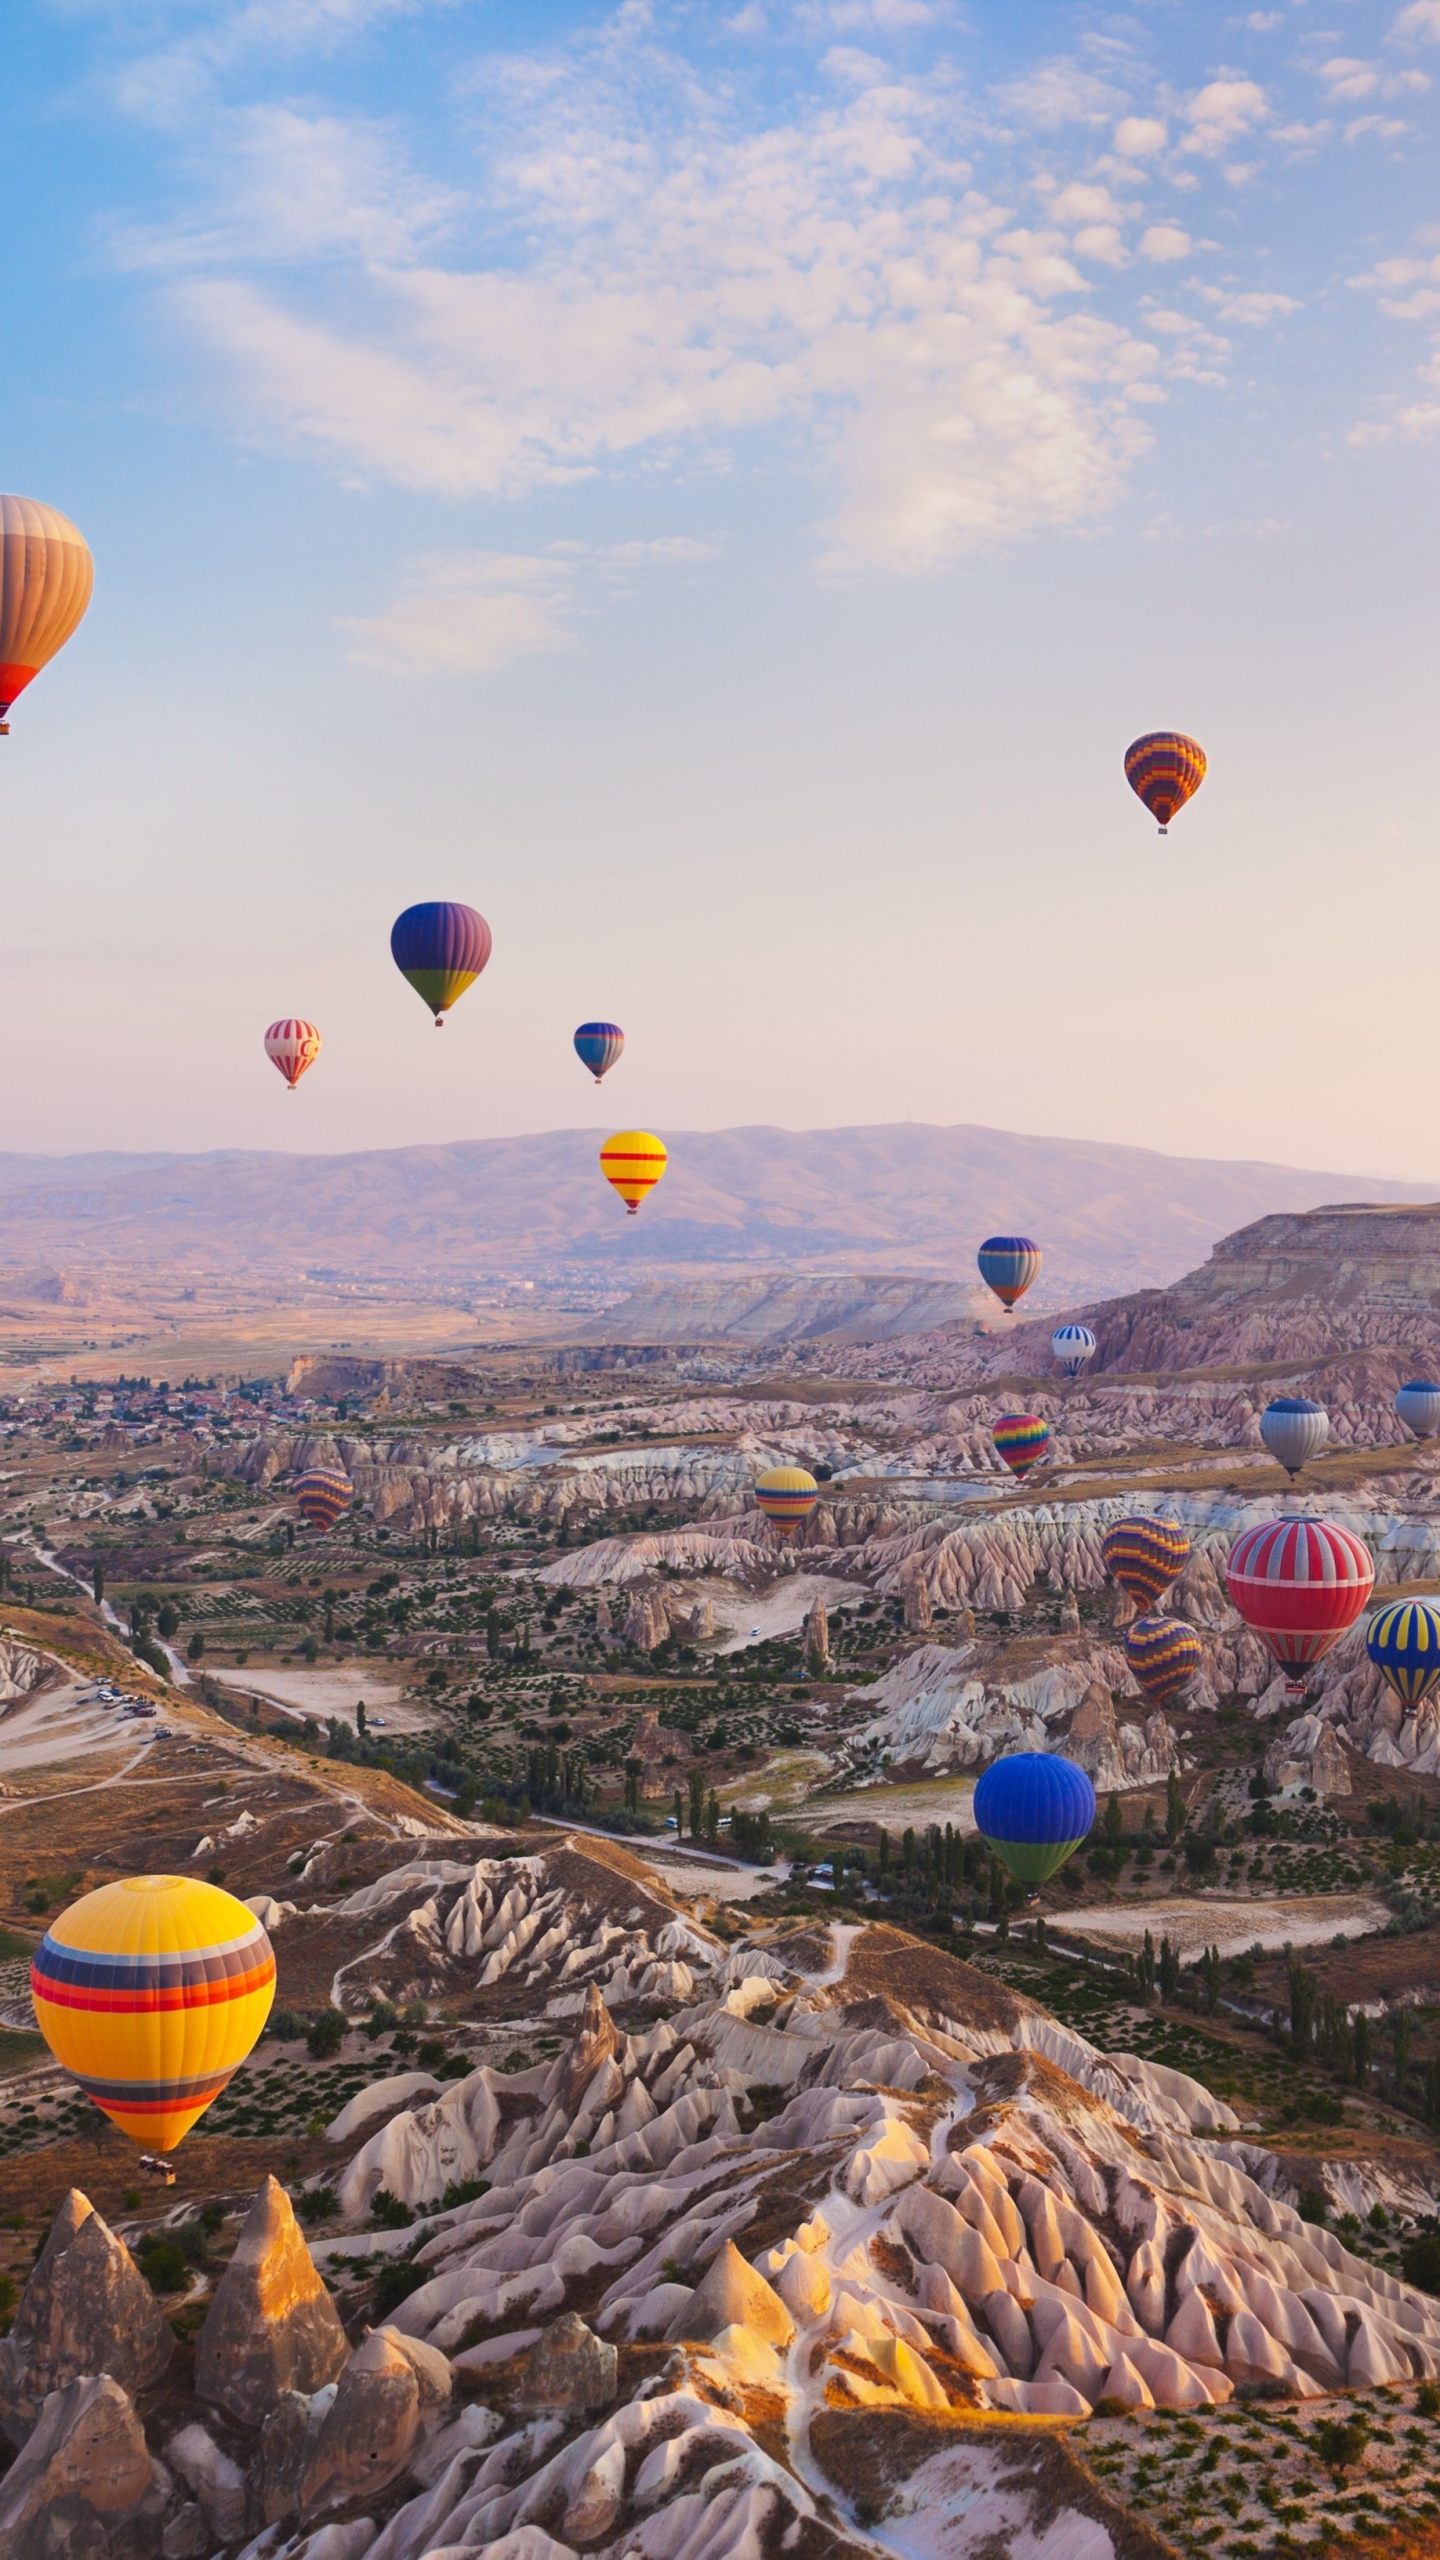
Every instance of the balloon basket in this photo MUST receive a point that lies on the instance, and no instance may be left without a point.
(155, 2167)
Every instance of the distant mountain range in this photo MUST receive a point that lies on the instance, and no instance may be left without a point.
(903, 1199)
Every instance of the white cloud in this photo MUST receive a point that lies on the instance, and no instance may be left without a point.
(1165, 241)
(1140, 137)
(1060, 92)
(866, 17)
(1383, 128)
(466, 613)
(1221, 113)
(165, 86)
(1263, 22)
(1344, 77)
(283, 188)
(1421, 18)
(1251, 310)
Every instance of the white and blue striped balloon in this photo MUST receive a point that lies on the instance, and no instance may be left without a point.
(1294, 1430)
(1072, 1345)
(1418, 1405)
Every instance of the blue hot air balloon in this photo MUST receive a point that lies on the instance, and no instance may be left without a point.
(441, 948)
(1404, 1645)
(1034, 1809)
(598, 1045)
(1072, 1345)
(1008, 1264)
(1418, 1406)
(1294, 1431)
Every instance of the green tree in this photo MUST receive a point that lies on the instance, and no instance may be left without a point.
(492, 1634)
(360, 1724)
(167, 1621)
(327, 1600)
(697, 1803)
(1360, 2036)
(1114, 1822)
(1174, 1807)
(679, 1813)
(1210, 1979)
(1304, 1989)
(97, 1580)
(1169, 1970)
(327, 2034)
(1402, 2028)
(712, 1816)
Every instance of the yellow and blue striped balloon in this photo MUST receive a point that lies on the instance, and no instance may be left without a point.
(1404, 1645)
(151, 1992)
(787, 1496)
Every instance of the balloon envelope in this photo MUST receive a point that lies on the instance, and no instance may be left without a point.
(1021, 1439)
(292, 1046)
(1404, 1645)
(151, 1993)
(598, 1045)
(632, 1163)
(1008, 1264)
(1294, 1431)
(1165, 769)
(787, 1495)
(1164, 1654)
(441, 947)
(1144, 1556)
(46, 575)
(321, 1495)
(1034, 1809)
(1072, 1345)
(1299, 1584)
(1418, 1405)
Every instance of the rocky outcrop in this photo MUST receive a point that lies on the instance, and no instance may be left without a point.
(391, 2393)
(83, 2487)
(271, 2326)
(85, 2310)
(568, 2370)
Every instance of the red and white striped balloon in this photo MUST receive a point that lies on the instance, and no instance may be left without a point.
(1299, 1584)
(292, 1046)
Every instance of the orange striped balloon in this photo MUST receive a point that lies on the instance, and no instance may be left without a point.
(632, 1163)
(46, 574)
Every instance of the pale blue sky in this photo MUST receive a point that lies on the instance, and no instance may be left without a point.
(718, 489)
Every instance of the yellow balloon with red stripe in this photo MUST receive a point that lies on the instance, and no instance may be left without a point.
(151, 1992)
(787, 1496)
(632, 1163)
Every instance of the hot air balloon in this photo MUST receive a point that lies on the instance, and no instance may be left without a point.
(150, 1993)
(1404, 1645)
(46, 574)
(632, 1163)
(598, 1045)
(1008, 1264)
(787, 1496)
(1034, 1809)
(1164, 1654)
(292, 1046)
(1144, 1556)
(321, 1495)
(1294, 1431)
(1299, 1584)
(1165, 769)
(1021, 1439)
(1418, 1406)
(441, 948)
(1072, 1345)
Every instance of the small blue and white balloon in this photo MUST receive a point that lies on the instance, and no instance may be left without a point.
(1418, 1405)
(1072, 1345)
(1294, 1431)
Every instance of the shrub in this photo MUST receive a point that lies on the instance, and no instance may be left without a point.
(1314, 2205)
(287, 2024)
(388, 2213)
(1420, 2261)
(163, 2264)
(393, 2285)
(327, 2034)
(315, 2204)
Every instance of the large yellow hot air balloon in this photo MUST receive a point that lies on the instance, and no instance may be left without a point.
(46, 574)
(632, 1163)
(151, 1992)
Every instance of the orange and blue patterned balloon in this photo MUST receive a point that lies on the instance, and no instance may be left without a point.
(1165, 769)
(1022, 1439)
(1164, 1654)
(322, 1494)
(598, 1045)
(1404, 1645)
(1008, 1264)
(1144, 1556)
(441, 947)
(151, 1992)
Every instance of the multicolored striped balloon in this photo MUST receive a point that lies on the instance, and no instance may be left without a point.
(1164, 1654)
(441, 948)
(322, 1494)
(292, 1046)
(1418, 1405)
(1072, 1345)
(1144, 1556)
(46, 576)
(1034, 1809)
(1294, 1430)
(1299, 1584)
(1404, 1645)
(151, 1993)
(1021, 1439)
(1008, 1264)
(598, 1045)
(787, 1496)
(1165, 769)
(632, 1163)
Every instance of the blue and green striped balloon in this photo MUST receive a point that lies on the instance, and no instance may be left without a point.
(1034, 1809)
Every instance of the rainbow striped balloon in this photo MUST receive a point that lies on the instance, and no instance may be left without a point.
(1165, 769)
(321, 1495)
(150, 1993)
(598, 1045)
(1008, 1264)
(787, 1496)
(1164, 1654)
(632, 1163)
(1144, 1556)
(1021, 1438)
(1404, 1645)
